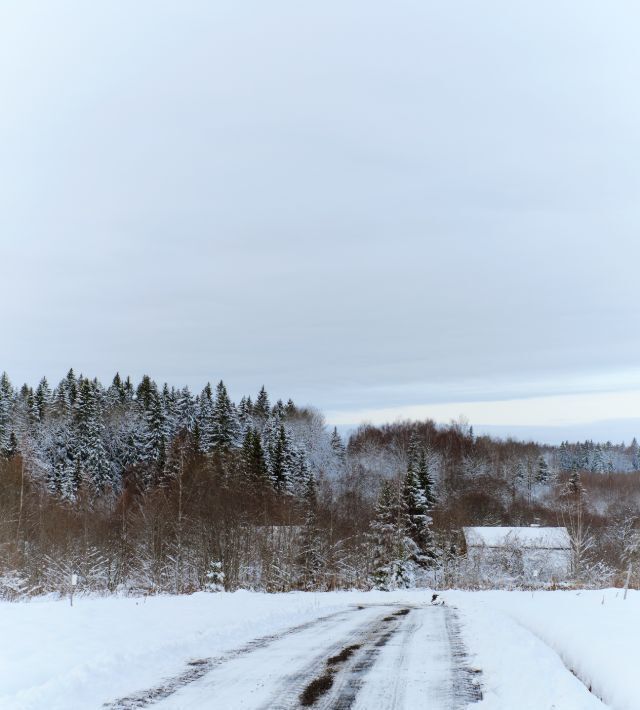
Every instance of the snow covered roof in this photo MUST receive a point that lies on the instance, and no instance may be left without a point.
(532, 537)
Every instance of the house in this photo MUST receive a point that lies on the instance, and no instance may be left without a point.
(531, 554)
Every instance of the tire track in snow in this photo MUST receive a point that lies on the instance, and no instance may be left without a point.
(367, 638)
(353, 678)
(397, 658)
(466, 687)
(199, 667)
(409, 659)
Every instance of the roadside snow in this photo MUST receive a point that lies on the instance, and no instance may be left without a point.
(54, 657)
(518, 669)
(595, 633)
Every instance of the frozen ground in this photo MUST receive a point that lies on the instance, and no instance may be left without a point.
(487, 650)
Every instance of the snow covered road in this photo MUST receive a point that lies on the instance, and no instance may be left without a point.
(385, 656)
(360, 650)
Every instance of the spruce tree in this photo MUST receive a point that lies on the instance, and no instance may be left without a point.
(226, 428)
(170, 409)
(154, 437)
(116, 395)
(290, 409)
(255, 467)
(42, 400)
(390, 563)
(145, 391)
(300, 472)
(205, 420)
(278, 409)
(262, 408)
(542, 471)
(245, 414)
(574, 485)
(71, 388)
(413, 451)
(565, 456)
(337, 446)
(185, 411)
(280, 460)
(129, 390)
(597, 463)
(6, 411)
(425, 479)
(90, 451)
(61, 405)
(11, 449)
(417, 522)
(634, 451)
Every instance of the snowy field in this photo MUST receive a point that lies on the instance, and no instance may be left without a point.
(487, 650)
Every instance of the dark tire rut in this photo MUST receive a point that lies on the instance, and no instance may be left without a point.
(334, 680)
(199, 667)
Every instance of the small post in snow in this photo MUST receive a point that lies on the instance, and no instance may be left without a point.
(74, 582)
(626, 584)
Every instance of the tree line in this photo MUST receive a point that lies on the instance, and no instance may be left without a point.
(146, 488)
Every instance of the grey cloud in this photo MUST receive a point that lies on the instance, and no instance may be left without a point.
(326, 198)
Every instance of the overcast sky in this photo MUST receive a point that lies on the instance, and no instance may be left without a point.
(385, 209)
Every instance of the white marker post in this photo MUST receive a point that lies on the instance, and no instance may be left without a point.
(74, 582)
(626, 584)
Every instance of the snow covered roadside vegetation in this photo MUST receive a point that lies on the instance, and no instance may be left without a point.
(57, 656)
(595, 633)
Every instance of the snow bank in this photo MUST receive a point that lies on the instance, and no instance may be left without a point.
(518, 669)
(595, 633)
